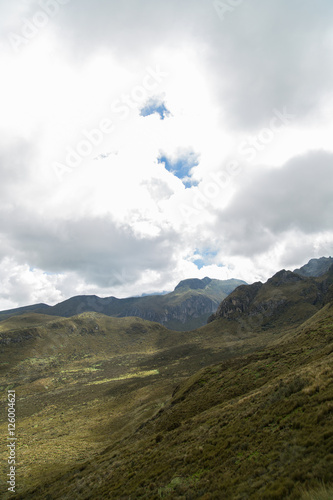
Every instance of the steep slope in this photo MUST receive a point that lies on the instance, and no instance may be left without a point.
(257, 426)
(184, 309)
(286, 299)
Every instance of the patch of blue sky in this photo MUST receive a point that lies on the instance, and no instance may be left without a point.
(200, 263)
(155, 105)
(182, 166)
(189, 183)
(204, 258)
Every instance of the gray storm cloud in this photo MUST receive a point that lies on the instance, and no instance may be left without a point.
(96, 248)
(296, 197)
(259, 56)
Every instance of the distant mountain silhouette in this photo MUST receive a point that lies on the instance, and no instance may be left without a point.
(186, 308)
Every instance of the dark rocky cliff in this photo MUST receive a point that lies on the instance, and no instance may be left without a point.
(194, 307)
(286, 298)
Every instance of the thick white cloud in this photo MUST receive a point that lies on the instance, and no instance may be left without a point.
(85, 205)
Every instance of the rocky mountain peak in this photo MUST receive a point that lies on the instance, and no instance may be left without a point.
(194, 283)
(315, 267)
(283, 277)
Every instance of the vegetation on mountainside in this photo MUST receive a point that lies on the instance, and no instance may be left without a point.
(77, 380)
(257, 426)
(123, 408)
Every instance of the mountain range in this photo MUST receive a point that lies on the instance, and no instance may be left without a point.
(120, 408)
(186, 308)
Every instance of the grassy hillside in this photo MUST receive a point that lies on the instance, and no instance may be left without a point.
(90, 380)
(20, 311)
(241, 408)
(25, 320)
(256, 426)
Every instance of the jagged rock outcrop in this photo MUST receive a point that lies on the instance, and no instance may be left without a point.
(239, 302)
(286, 298)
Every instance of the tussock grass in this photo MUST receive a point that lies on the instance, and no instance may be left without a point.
(86, 382)
(256, 426)
(322, 493)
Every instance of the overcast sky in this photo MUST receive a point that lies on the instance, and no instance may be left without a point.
(145, 142)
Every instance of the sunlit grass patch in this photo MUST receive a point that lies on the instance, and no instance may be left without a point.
(126, 377)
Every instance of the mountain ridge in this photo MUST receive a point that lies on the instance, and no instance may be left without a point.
(315, 267)
(186, 308)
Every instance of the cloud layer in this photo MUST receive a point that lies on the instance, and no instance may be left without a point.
(179, 102)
